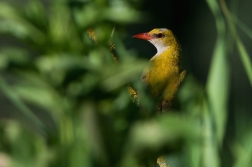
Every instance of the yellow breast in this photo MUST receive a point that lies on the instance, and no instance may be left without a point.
(163, 74)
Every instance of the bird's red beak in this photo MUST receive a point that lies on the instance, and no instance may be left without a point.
(144, 36)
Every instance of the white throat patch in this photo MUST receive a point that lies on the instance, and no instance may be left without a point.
(159, 46)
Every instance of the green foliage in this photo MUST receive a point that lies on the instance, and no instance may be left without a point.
(73, 100)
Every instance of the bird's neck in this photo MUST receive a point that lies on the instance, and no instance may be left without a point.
(160, 48)
(166, 53)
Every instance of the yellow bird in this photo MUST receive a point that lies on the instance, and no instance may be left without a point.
(164, 74)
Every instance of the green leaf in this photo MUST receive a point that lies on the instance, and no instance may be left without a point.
(242, 150)
(13, 55)
(17, 101)
(13, 23)
(121, 14)
(121, 74)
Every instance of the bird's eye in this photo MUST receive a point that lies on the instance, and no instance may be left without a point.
(159, 35)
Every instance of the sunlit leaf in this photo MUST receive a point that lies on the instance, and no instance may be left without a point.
(121, 14)
(13, 23)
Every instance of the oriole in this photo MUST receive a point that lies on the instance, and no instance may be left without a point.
(164, 74)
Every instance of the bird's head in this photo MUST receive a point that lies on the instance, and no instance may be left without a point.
(161, 38)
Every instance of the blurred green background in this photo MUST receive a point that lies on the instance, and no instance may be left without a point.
(64, 100)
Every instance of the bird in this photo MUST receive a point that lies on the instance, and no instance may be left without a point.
(164, 73)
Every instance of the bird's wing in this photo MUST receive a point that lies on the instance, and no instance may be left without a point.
(182, 75)
(145, 76)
